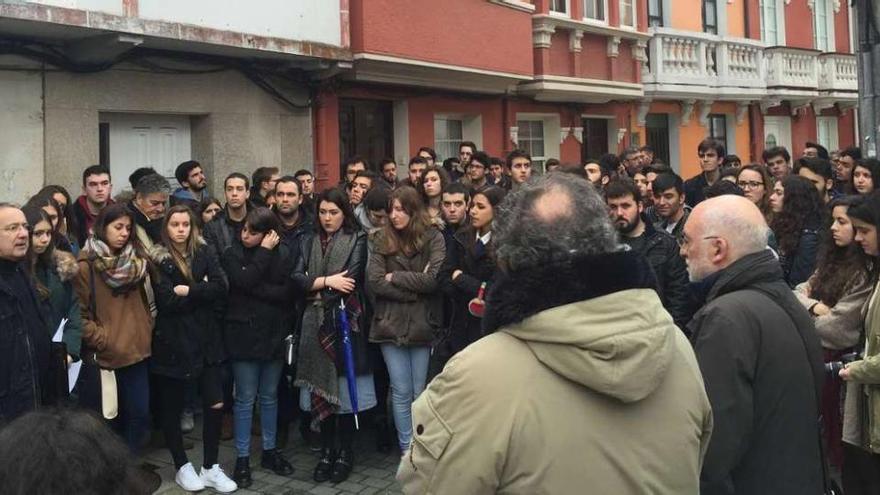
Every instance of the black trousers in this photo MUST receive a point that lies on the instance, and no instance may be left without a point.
(172, 398)
(861, 471)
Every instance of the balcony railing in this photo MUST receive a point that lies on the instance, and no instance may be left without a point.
(693, 63)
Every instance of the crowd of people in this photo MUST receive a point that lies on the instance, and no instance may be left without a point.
(604, 324)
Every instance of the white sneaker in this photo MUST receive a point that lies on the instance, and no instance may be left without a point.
(215, 478)
(187, 478)
(187, 422)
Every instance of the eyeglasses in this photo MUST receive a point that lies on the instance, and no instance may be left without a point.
(749, 184)
(684, 242)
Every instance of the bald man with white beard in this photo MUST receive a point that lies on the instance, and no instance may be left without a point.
(759, 355)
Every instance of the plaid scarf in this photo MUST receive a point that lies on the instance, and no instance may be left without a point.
(121, 272)
(329, 335)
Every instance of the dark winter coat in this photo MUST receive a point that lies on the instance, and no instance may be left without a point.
(260, 310)
(762, 365)
(408, 309)
(24, 343)
(661, 251)
(187, 334)
(799, 266)
(356, 267)
(476, 268)
(221, 232)
(63, 303)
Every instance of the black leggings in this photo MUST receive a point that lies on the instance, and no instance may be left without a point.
(338, 426)
(172, 396)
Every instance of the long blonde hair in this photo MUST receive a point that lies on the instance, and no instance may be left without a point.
(183, 261)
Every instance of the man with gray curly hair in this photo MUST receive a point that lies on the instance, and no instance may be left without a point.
(583, 381)
(148, 206)
(759, 355)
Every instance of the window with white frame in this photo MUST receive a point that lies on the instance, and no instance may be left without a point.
(826, 132)
(559, 7)
(823, 25)
(772, 22)
(655, 13)
(448, 135)
(718, 128)
(595, 10)
(531, 139)
(628, 13)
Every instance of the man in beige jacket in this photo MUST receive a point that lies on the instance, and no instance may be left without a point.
(585, 385)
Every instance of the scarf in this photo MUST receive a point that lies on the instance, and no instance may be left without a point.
(122, 272)
(316, 363)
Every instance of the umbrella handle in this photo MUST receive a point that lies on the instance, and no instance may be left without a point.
(482, 291)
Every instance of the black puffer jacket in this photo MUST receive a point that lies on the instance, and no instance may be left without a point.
(476, 268)
(662, 253)
(762, 365)
(260, 311)
(187, 334)
(800, 265)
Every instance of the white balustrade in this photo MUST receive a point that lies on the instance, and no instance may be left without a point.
(838, 72)
(792, 67)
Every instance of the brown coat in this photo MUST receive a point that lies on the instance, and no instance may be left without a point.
(408, 310)
(121, 332)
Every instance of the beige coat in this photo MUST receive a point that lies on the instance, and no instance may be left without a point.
(566, 402)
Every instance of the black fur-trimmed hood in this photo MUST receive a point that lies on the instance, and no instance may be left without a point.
(514, 297)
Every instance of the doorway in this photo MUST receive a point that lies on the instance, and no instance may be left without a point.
(657, 135)
(595, 143)
(366, 128)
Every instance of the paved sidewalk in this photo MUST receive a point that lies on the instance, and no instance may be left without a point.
(373, 472)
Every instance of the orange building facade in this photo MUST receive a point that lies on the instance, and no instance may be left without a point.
(573, 79)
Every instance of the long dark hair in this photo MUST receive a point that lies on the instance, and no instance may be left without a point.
(34, 215)
(837, 267)
(110, 214)
(411, 239)
(444, 181)
(69, 218)
(338, 197)
(764, 204)
(801, 208)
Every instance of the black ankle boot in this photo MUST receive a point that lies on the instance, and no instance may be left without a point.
(274, 461)
(242, 474)
(325, 466)
(343, 466)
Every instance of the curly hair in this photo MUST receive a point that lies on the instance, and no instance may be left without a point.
(801, 208)
(838, 267)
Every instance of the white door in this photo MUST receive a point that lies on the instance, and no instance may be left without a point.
(777, 132)
(144, 140)
(826, 132)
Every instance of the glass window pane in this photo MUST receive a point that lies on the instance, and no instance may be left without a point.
(626, 13)
(558, 6)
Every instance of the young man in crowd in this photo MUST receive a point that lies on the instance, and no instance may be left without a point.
(352, 166)
(226, 226)
(669, 203)
(815, 150)
(416, 168)
(711, 154)
(97, 189)
(263, 183)
(389, 172)
(820, 173)
(846, 162)
(648, 154)
(759, 354)
(453, 206)
(778, 162)
(148, 207)
(306, 181)
(551, 165)
(428, 154)
(519, 162)
(477, 167)
(191, 178)
(597, 174)
(25, 332)
(658, 247)
(357, 190)
(630, 161)
(465, 151)
(498, 176)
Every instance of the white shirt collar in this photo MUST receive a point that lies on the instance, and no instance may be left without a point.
(486, 238)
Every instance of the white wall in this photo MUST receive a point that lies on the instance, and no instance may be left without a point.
(21, 135)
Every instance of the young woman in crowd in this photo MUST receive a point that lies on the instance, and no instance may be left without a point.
(331, 270)
(864, 173)
(114, 290)
(56, 217)
(67, 221)
(470, 263)
(835, 295)
(861, 414)
(797, 219)
(757, 184)
(259, 315)
(209, 207)
(434, 182)
(402, 276)
(187, 344)
(53, 273)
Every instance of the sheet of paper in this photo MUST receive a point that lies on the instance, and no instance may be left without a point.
(73, 374)
(60, 331)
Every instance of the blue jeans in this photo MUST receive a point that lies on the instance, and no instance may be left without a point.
(252, 377)
(133, 394)
(408, 370)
